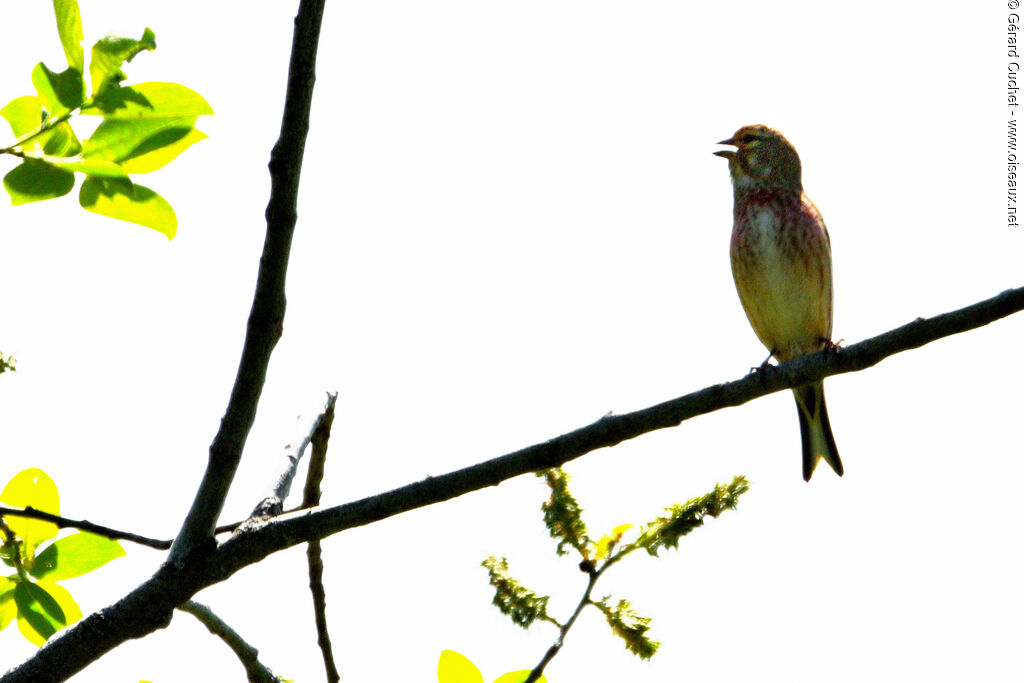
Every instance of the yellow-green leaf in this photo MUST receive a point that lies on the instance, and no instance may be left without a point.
(621, 529)
(24, 114)
(108, 54)
(43, 609)
(455, 668)
(121, 139)
(69, 27)
(34, 181)
(59, 92)
(605, 544)
(149, 100)
(161, 149)
(59, 141)
(75, 555)
(72, 612)
(136, 204)
(518, 677)
(39, 614)
(31, 488)
(8, 608)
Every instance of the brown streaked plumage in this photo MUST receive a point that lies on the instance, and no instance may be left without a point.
(782, 265)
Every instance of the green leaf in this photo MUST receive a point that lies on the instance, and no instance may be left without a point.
(39, 614)
(629, 626)
(24, 114)
(59, 93)
(680, 520)
(43, 609)
(108, 54)
(31, 488)
(161, 149)
(518, 677)
(142, 145)
(521, 604)
(139, 205)
(455, 668)
(69, 27)
(75, 555)
(8, 608)
(33, 181)
(120, 139)
(8, 364)
(149, 100)
(145, 126)
(563, 516)
(59, 141)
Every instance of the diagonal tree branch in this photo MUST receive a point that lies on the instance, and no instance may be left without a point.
(247, 654)
(611, 430)
(266, 318)
(149, 606)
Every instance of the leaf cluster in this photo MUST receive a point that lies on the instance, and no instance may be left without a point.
(679, 520)
(521, 604)
(7, 364)
(144, 127)
(563, 517)
(629, 626)
(562, 514)
(31, 595)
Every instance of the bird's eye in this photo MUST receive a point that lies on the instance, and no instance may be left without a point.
(748, 138)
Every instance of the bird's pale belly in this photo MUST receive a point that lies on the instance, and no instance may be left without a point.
(784, 281)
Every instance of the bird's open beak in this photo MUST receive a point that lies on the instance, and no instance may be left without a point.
(726, 153)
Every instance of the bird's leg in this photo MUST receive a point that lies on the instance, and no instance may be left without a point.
(831, 346)
(763, 366)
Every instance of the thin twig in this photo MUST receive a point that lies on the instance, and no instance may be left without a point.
(246, 653)
(314, 555)
(44, 127)
(12, 540)
(296, 448)
(266, 319)
(273, 504)
(538, 670)
(84, 525)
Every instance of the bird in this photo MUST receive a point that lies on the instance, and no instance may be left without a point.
(782, 266)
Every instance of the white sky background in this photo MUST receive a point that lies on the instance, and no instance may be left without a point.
(510, 224)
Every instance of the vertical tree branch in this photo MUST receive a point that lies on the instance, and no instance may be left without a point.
(266, 317)
(311, 498)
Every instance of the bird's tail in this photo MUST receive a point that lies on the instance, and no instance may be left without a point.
(815, 430)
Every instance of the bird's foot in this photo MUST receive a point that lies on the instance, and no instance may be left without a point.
(765, 366)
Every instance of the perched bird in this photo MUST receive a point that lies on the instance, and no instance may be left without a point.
(782, 265)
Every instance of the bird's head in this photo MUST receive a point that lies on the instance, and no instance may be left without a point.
(763, 158)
